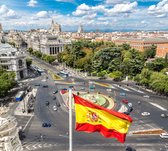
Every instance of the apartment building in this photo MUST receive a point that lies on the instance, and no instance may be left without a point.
(141, 44)
(162, 50)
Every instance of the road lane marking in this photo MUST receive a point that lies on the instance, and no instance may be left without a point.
(125, 89)
(158, 106)
(136, 90)
(27, 123)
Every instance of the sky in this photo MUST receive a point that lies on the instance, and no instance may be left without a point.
(116, 15)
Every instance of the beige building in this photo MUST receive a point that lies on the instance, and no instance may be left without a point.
(162, 50)
(55, 27)
(141, 44)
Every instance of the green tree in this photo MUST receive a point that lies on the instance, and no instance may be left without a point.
(28, 62)
(150, 52)
(116, 75)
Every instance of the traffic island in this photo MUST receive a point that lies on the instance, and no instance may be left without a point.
(54, 76)
(149, 132)
(97, 98)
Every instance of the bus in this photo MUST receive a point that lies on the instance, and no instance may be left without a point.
(63, 74)
(19, 96)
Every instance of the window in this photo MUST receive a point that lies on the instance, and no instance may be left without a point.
(20, 62)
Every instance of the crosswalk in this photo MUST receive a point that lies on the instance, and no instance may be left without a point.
(41, 146)
(119, 87)
(34, 146)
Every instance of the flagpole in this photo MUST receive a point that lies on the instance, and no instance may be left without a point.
(70, 119)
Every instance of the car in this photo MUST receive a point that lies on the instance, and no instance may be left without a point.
(56, 91)
(58, 104)
(47, 103)
(55, 108)
(37, 84)
(45, 86)
(125, 101)
(164, 135)
(82, 88)
(102, 78)
(46, 124)
(122, 94)
(146, 96)
(108, 90)
(54, 98)
(145, 113)
(164, 115)
(129, 148)
(130, 104)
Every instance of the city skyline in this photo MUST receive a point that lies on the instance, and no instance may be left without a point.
(106, 15)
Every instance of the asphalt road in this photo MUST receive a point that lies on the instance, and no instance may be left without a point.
(56, 137)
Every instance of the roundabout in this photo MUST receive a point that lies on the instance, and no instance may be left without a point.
(97, 98)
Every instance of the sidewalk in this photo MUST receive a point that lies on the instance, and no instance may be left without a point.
(21, 109)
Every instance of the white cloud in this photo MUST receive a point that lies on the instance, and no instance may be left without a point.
(84, 9)
(113, 2)
(5, 12)
(159, 10)
(32, 3)
(42, 14)
(122, 8)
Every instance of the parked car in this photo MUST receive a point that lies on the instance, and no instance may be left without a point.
(45, 124)
(164, 135)
(37, 84)
(145, 114)
(56, 91)
(102, 78)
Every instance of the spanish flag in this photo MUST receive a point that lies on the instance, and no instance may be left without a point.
(93, 118)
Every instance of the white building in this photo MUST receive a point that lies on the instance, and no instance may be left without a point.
(12, 59)
(52, 45)
(9, 138)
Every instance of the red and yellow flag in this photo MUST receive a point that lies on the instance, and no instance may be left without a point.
(93, 118)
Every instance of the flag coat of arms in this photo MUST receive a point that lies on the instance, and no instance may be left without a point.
(93, 118)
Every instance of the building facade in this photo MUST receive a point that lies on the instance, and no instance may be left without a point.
(55, 27)
(140, 44)
(52, 45)
(14, 60)
(9, 138)
(162, 50)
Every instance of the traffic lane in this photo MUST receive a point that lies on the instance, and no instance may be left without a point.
(145, 106)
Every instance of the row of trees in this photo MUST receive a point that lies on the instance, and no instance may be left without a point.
(38, 54)
(7, 81)
(103, 58)
(117, 62)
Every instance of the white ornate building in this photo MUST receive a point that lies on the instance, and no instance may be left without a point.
(12, 59)
(52, 45)
(9, 138)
